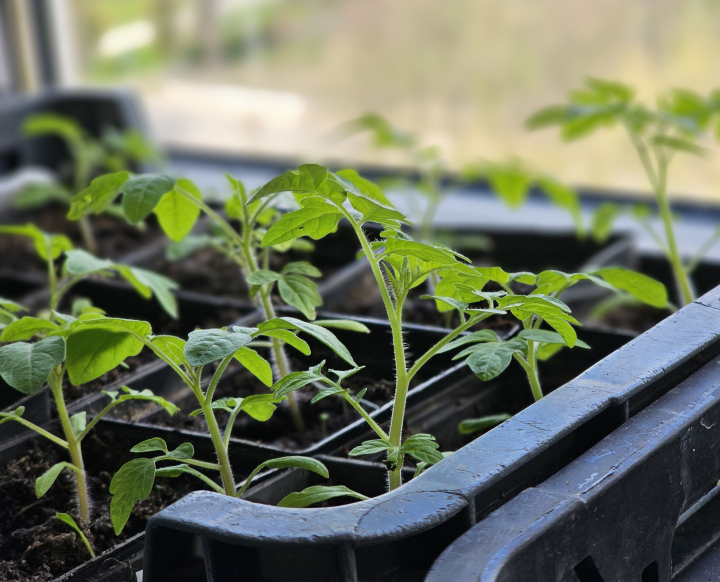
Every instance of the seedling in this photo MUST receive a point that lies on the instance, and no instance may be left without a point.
(674, 126)
(133, 482)
(27, 366)
(79, 265)
(488, 356)
(178, 204)
(72, 346)
(115, 150)
(400, 264)
(68, 520)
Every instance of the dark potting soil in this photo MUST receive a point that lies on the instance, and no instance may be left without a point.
(208, 271)
(34, 545)
(114, 237)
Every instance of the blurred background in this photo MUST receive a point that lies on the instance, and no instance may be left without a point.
(277, 78)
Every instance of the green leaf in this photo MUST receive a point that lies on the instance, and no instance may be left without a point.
(97, 346)
(324, 336)
(263, 277)
(296, 380)
(25, 328)
(318, 494)
(301, 268)
(26, 366)
(259, 406)
(142, 193)
(346, 324)
(371, 447)
(132, 483)
(484, 335)
(511, 182)
(161, 287)
(98, 196)
(46, 245)
(53, 124)
(642, 287)
(547, 116)
(603, 219)
(301, 293)
(79, 262)
(316, 219)
(297, 462)
(421, 251)
(68, 520)
(255, 364)
(207, 345)
(150, 446)
(176, 213)
(46, 480)
(78, 422)
(489, 360)
(548, 337)
(679, 144)
(472, 425)
(289, 338)
(147, 395)
(172, 346)
(307, 179)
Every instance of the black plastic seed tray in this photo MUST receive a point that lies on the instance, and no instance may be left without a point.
(410, 526)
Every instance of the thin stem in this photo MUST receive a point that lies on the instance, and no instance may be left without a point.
(204, 478)
(217, 439)
(658, 181)
(374, 425)
(52, 279)
(685, 292)
(216, 378)
(64, 286)
(230, 424)
(87, 235)
(422, 360)
(41, 431)
(248, 481)
(394, 313)
(73, 443)
(530, 367)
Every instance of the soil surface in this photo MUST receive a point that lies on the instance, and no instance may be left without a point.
(114, 237)
(207, 270)
(34, 545)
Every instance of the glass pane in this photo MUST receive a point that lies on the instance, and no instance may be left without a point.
(278, 77)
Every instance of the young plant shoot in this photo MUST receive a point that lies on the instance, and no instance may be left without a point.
(400, 264)
(674, 126)
(178, 204)
(26, 366)
(80, 264)
(73, 347)
(134, 481)
(115, 150)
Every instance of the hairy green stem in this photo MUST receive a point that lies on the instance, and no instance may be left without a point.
(73, 442)
(394, 312)
(220, 448)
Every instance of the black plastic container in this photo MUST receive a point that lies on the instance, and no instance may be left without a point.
(410, 526)
(640, 505)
